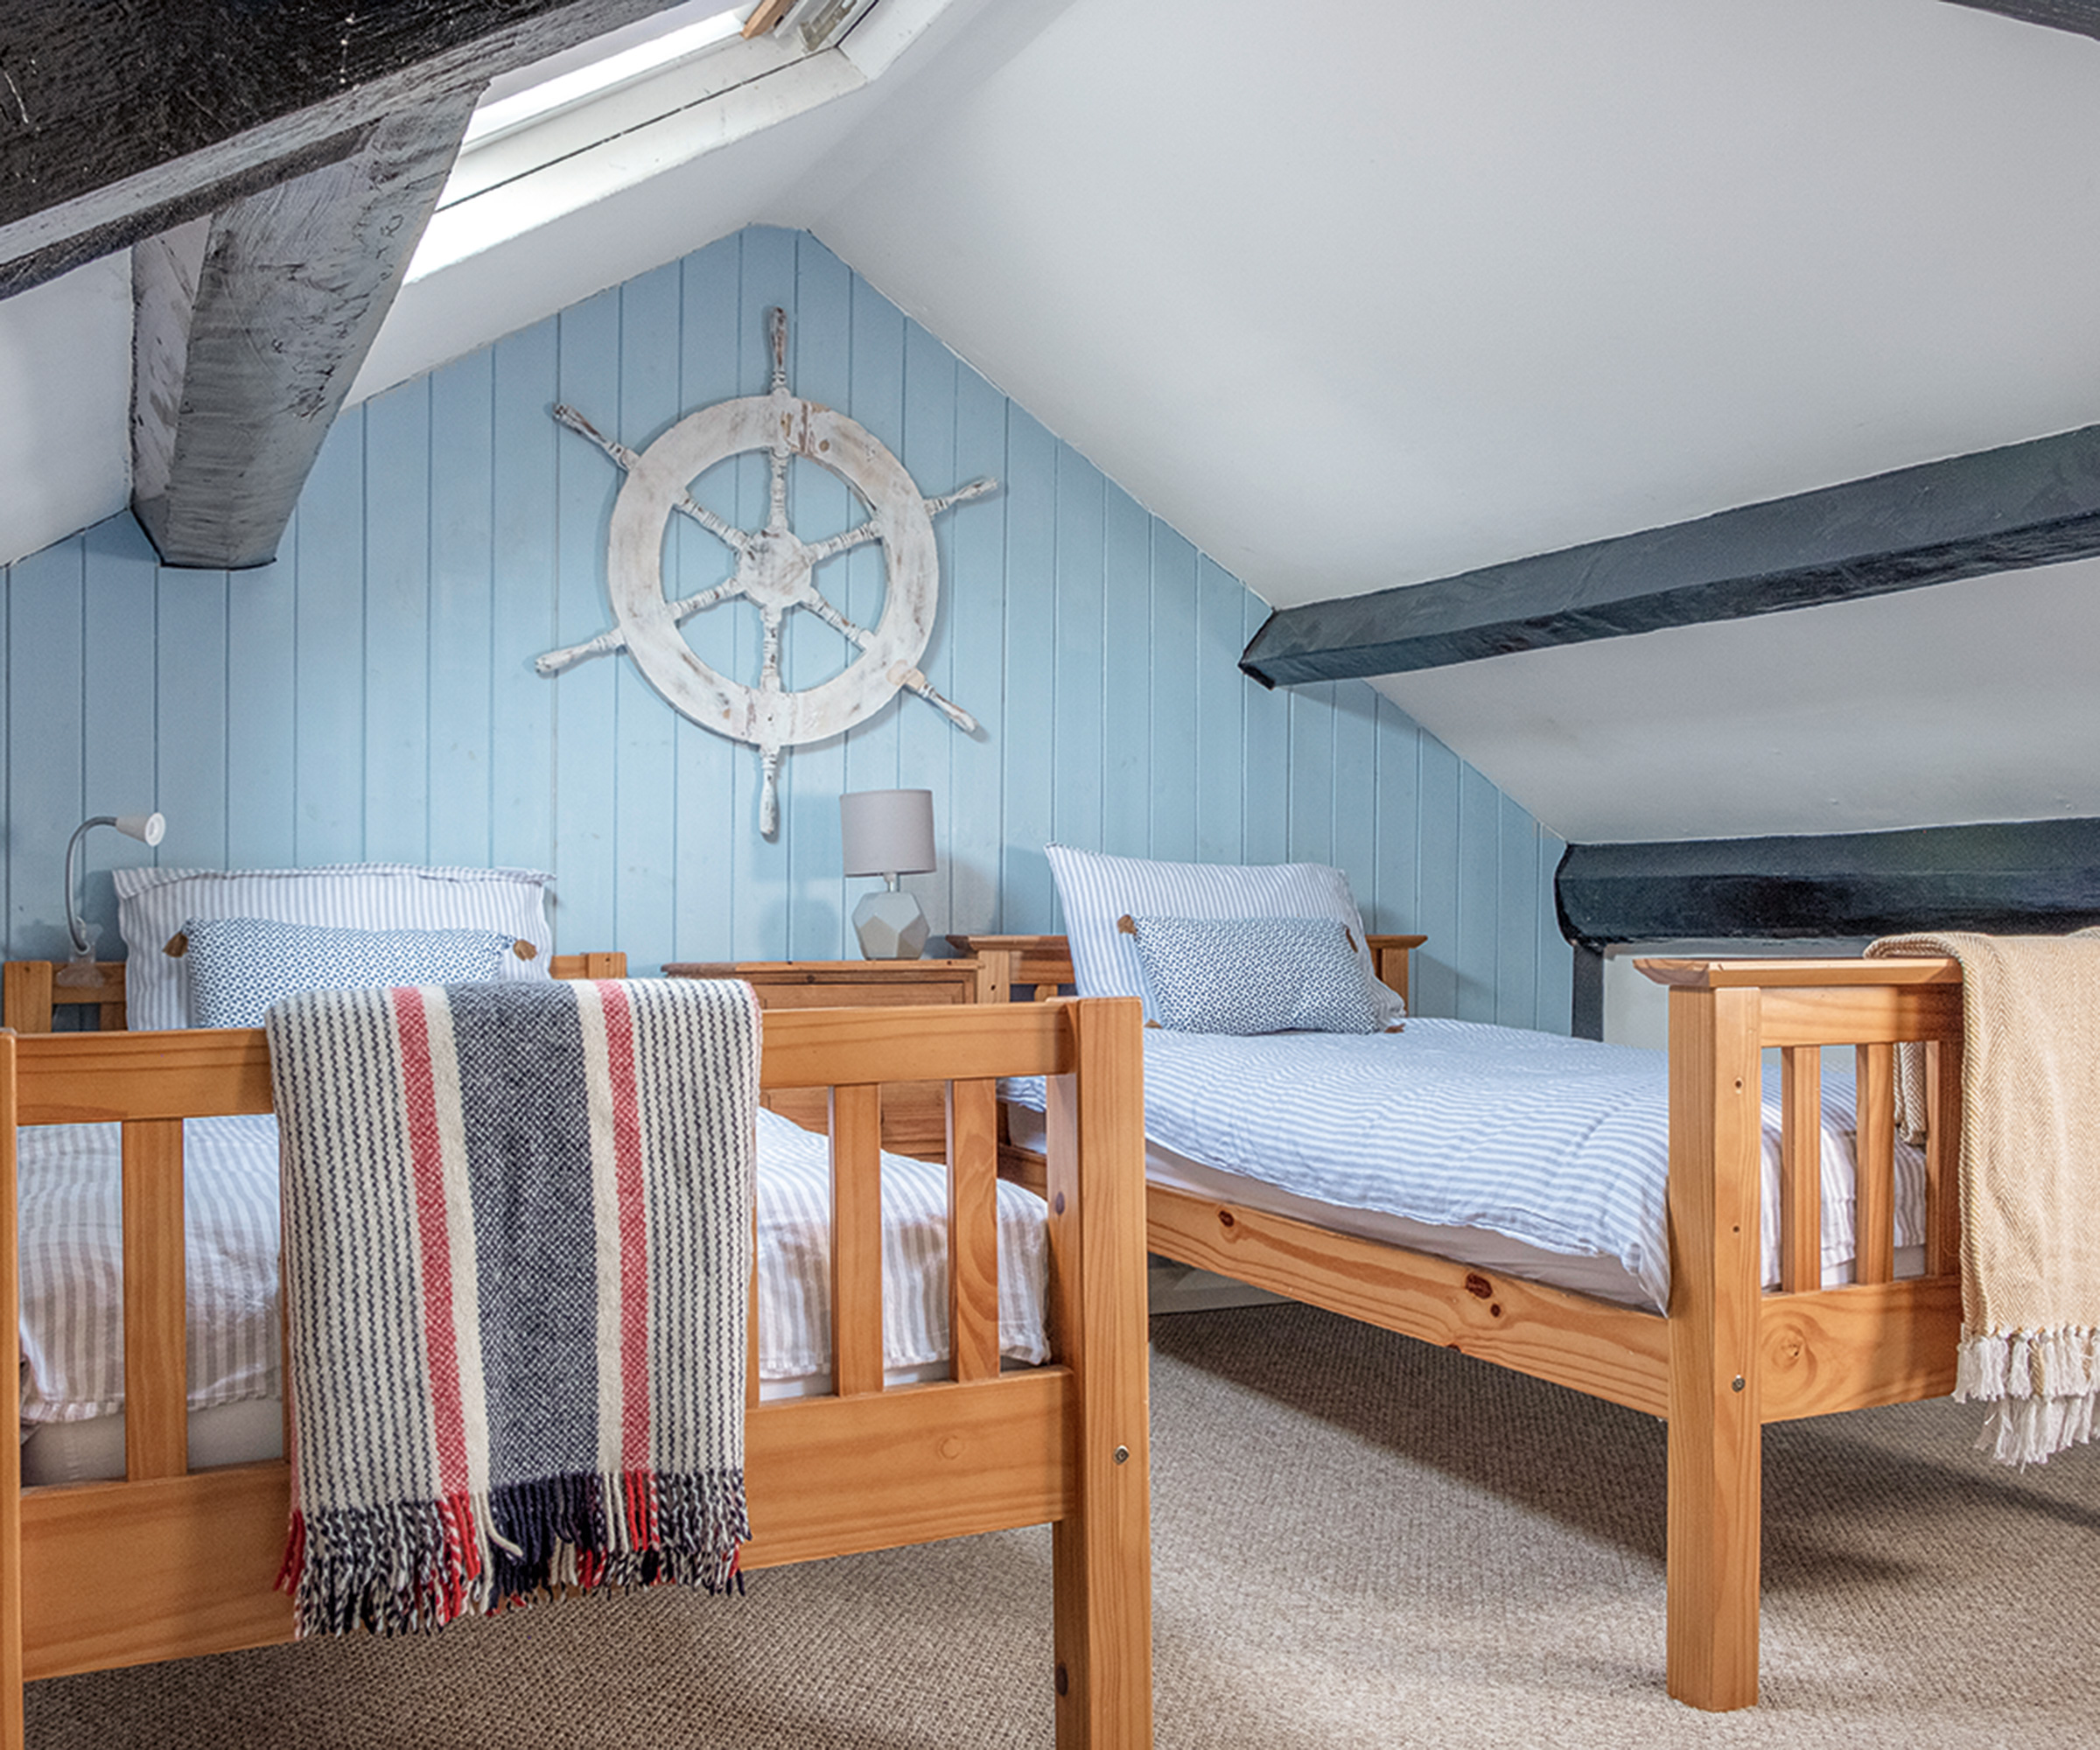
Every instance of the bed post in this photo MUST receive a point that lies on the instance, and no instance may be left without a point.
(1102, 1555)
(10, 1451)
(1715, 1423)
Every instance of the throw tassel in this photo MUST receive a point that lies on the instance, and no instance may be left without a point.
(2043, 1385)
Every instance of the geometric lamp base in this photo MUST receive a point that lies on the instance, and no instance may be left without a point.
(890, 925)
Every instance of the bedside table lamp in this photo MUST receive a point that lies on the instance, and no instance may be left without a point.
(888, 833)
(147, 828)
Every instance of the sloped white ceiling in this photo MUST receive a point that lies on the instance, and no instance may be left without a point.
(1367, 295)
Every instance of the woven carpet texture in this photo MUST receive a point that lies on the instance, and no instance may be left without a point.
(1359, 1541)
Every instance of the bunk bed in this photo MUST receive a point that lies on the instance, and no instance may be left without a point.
(183, 1563)
(1728, 1355)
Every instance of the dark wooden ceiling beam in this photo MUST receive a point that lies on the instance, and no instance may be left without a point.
(2080, 16)
(122, 119)
(1997, 510)
(2024, 877)
(250, 326)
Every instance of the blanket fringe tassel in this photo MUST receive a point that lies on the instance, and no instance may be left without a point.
(2043, 1387)
(414, 1566)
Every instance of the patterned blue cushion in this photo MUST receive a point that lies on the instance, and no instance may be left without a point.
(240, 966)
(1254, 976)
(1095, 890)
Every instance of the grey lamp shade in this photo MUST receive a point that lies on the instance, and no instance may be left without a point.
(887, 832)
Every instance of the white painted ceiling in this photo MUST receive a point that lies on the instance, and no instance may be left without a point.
(1368, 294)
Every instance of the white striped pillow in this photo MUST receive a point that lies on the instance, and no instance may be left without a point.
(153, 905)
(1098, 890)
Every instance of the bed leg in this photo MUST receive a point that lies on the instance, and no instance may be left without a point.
(1715, 1423)
(10, 1451)
(1101, 1559)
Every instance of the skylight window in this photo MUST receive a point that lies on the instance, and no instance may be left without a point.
(566, 89)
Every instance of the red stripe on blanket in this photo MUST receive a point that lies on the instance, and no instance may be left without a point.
(426, 1147)
(633, 1232)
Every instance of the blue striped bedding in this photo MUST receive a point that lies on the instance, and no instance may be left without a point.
(1561, 1143)
(72, 1264)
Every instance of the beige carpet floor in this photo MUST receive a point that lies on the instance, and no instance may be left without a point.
(1359, 1541)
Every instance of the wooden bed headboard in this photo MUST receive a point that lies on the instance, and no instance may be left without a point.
(1043, 963)
(31, 991)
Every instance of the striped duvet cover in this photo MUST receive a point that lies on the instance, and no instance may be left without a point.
(1557, 1142)
(72, 1264)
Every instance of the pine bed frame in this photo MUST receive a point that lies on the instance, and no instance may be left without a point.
(170, 1563)
(1728, 1357)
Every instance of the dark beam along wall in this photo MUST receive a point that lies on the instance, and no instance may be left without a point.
(2026, 504)
(372, 694)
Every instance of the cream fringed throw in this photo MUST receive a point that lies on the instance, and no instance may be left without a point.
(2030, 1183)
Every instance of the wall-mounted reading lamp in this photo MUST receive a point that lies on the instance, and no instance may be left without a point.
(147, 828)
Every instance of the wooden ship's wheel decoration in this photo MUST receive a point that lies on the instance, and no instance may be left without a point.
(774, 572)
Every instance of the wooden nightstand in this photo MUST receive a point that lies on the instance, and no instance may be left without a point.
(914, 1114)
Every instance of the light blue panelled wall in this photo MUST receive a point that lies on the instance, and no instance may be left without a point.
(372, 694)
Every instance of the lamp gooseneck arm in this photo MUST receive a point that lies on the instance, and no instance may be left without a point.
(78, 930)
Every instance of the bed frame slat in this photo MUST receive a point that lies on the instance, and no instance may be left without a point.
(973, 1230)
(1801, 1168)
(1874, 1157)
(1944, 1156)
(857, 1239)
(156, 1442)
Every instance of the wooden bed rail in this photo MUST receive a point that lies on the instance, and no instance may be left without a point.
(860, 1468)
(1044, 962)
(1739, 1357)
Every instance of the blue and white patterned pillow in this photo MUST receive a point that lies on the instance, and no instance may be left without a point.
(240, 966)
(1254, 976)
(1095, 890)
(153, 904)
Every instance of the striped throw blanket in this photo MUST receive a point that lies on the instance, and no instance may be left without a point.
(517, 1224)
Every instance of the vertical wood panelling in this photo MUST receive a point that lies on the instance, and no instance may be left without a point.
(710, 339)
(1266, 747)
(1027, 758)
(373, 694)
(1396, 819)
(462, 601)
(1433, 982)
(1173, 745)
(523, 721)
(262, 710)
(1221, 689)
(1480, 867)
(765, 280)
(1354, 848)
(1516, 934)
(328, 664)
(974, 602)
(586, 856)
(46, 659)
(1076, 780)
(925, 739)
(643, 768)
(190, 716)
(820, 505)
(1127, 658)
(117, 693)
(1312, 801)
(397, 625)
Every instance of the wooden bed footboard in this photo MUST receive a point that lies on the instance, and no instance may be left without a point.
(183, 1563)
(1729, 1356)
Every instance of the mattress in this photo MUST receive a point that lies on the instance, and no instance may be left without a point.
(1527, 1153)
(69, 1181)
